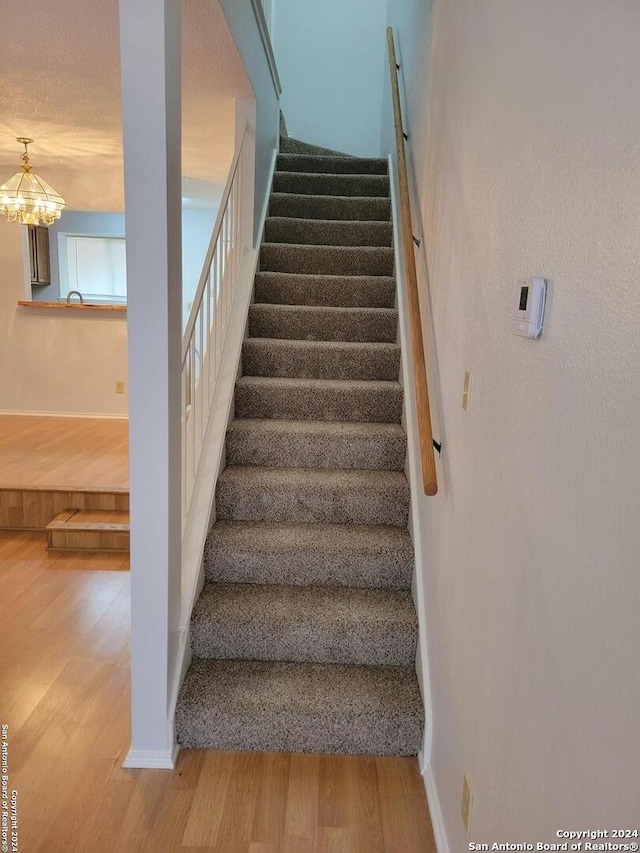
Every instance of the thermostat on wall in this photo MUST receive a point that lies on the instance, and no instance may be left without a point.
(528, 315)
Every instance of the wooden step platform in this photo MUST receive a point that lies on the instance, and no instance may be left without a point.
(89, 530)
(50, 463)
(32, 508)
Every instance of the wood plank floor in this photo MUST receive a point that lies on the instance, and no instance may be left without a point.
(64, 688)
(63, 453)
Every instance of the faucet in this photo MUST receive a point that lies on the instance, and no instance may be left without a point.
(71, 293)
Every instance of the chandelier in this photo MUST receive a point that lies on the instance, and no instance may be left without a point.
(28, 199)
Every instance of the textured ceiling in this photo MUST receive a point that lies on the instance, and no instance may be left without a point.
(60, 84)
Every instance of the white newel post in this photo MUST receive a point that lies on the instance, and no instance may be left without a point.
(150, 40)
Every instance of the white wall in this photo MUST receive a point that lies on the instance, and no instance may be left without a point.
(330, 56)
(527, 163)
(244, 28)
(53, 360)
(411, 23)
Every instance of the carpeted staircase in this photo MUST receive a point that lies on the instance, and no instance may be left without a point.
(304, 637)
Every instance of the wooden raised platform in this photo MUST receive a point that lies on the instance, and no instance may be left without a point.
(33, 509)
(50, 464)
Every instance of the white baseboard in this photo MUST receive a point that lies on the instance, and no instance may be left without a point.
(412, 470)
(182, 665)
(97, 415)
(437, 821)
(151, 760)
(265, 206)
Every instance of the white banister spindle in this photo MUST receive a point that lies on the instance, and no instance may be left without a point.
(209, 318)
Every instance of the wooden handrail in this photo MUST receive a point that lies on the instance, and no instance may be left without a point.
(429, 477)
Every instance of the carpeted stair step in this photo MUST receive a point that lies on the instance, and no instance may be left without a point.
(318, 399)
(316, 444)
(314, 184)
(322, 323)
(327, 260)
(281, 288)
(355, 555)
(289, 145)
(314, 624)
(305, 635)
(327, 232)
(300, 707)
(310, 495)
(320, 359)
(330, 207)
(332, 164)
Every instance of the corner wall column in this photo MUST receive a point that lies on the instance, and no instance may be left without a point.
(150, 45)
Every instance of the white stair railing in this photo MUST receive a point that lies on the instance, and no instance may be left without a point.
(206, 329)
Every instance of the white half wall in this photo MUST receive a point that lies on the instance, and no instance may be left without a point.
(52, 360)
(330, 55)
(525, 150)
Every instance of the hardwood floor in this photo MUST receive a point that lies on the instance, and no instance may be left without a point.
(63, 453)
(65, 696)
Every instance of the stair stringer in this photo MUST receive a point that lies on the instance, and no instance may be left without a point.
(413, 469)
(212, 461)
